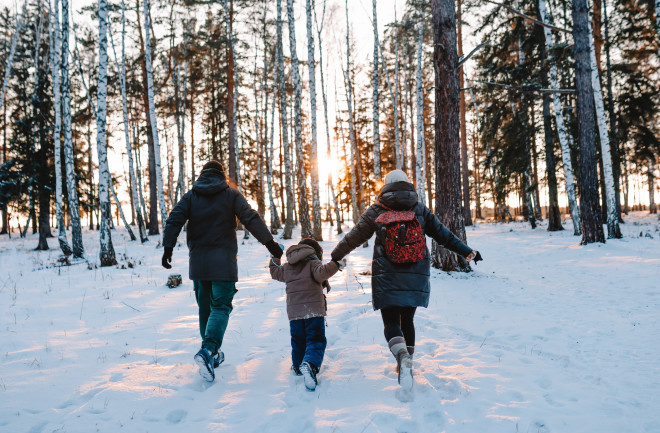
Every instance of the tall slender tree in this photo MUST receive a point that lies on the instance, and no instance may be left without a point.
(421, 148)
(447, 146)
(375, 83)
(465, 175)
(12, 50)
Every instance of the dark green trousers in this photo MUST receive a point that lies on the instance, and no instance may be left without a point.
(214, 302)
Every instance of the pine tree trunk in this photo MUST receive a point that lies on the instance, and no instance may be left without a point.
(76, 228)
(331, 189)
(447, 146)
(397, 140)
(231, 93)
(351, 129)
(288, 223)
(129, 153)
(152, 115)
(465, 176)
(592, 228)
(419, 84)
(561, 130)
(375, 83)
(314, 157)
(107, 252)
(57, 129)
(613, 229)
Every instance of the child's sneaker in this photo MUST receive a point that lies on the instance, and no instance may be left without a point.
(296, 370)
(205, 362)
(309, 371)
(218, 359)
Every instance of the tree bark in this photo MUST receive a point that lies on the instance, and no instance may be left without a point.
(270, 155)
(351, 128)
(650, 173)
(561, 129)
(657, 22)
(420, 160)
(375, 84)
(447, 146)
(76, 228)
(231, 93)
(467, 214)
(397, 140)
(12, 50)
(592, 228)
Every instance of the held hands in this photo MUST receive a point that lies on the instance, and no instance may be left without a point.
(474, 255)
(167, 257)
(276, 250)
(341, 264)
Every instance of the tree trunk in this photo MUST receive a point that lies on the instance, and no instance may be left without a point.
(76, 228)
(653, 209)
(57, 129)
(314, 163)
(375, 84)
(561, 129)
(397, 140)
(351, 129)
(613, 229)
(270, 155)
(288, 223)
(152, 115)
(592, 227)
(419, 84)
(657, 22)
(12, 50)
(121, 212)
(107, 252)
(465, 176)
(447, 146)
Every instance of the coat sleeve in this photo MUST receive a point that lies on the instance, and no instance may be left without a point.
(251, 219)
(176, 220)
(276, 270)
(322, 272)
(361, 233)
(442, 235)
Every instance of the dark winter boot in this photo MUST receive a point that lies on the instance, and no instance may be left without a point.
(411, 351)
(218, 359)
(296, 370)
(309, 371)
(205, 362)
(403, 360)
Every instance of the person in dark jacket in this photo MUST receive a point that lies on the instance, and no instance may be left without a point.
(305, 276)
(397, 289)
(211, 208)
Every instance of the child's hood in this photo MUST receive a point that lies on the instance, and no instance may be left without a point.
(297, 253)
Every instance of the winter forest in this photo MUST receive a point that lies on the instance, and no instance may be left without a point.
(529, 128)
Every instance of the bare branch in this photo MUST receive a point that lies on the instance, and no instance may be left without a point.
(528, 18)
(524, 88)
(464, 59)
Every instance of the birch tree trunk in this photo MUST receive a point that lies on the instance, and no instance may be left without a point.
(121, 212)
(107, 253)
(57, 128)
(331, 189)
(129, 153)
(152, 114)
(288, 223)
(76, 228)
(314, 157)
(561, 128)
(465, 178)
(12, 50)
(420, 160)
(397, 140)
(375, 83)
(274, 217)
(351, 127)
(592, 227)
(613, 229)
(447, 147)
(303, 208)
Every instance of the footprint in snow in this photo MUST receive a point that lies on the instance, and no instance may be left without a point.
(176, 416)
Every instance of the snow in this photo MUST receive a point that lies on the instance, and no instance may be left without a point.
(544, 336)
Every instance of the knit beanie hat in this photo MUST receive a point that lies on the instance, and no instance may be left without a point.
(396, 176)
(214, 166)
(312, 243)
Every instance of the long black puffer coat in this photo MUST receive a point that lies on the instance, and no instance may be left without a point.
(392, 284)
(211, 209)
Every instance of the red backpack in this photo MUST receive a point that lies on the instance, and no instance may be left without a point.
(404, 237)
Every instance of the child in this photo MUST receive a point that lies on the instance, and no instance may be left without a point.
(305, 277)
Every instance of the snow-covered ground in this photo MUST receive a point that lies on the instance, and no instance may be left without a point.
(544, 336)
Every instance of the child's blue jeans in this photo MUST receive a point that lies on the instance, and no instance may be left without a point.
(308, 341)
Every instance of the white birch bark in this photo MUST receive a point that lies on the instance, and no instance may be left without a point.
(397, 141)
(288, 224)
(122, 82)
(420, 154)
(303, 209)
(375, 83)
(107, 252)
(314, 157)
(152, 115)
(76, 228)
(613, 229)
(561, 128)
(270, 154)
(12, 50)
(331, 189)
(57, 128)
(351, 128)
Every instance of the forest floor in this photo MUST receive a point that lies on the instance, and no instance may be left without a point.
(544, 336)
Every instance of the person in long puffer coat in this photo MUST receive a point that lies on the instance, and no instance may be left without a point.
(401, 270)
